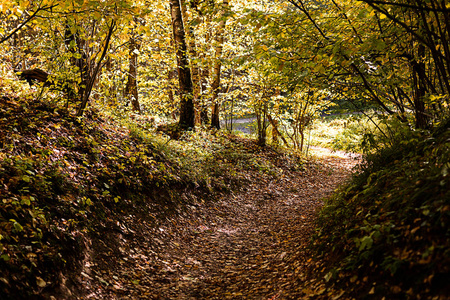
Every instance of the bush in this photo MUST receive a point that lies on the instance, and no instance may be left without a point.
(388, 229)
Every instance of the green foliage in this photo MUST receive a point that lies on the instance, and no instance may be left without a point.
(64, 180)
(341, 132)
(359, 52)
(390, 224)
(360, 133)
(58, 177)
(207, 159)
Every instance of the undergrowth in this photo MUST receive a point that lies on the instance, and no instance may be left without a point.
(342, 132)
(66, 180)
(386, 233)
(61, 179)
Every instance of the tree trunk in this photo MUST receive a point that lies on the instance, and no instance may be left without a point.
(131, 89)
(90, 70)
(261, 115)
(193, 65)
(170, 90)
(302, 138)
(204, 114)
(275, 131)
(184, 73)
(204, 75)
(419, 75)
(215, 121)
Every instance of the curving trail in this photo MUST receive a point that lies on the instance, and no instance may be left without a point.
(248, 245)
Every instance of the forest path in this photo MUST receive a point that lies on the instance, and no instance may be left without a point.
(248, 245)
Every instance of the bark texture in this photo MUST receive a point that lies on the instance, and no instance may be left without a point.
(184, 73)
(215, 121)
(131, 89)
(195, 70)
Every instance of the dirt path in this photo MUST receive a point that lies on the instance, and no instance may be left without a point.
(248, 245)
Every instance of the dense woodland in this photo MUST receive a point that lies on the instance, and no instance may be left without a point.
(181, 149)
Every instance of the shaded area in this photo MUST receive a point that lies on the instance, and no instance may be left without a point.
(250, 244)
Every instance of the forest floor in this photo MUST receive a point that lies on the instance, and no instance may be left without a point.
(97, 208)
(250, 244)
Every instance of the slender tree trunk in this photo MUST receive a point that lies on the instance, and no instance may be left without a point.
(131, 89)
(70, 39)
(184, 73)
(191, 45)
(261, 115)
(231, 117)
(215, 121)
(90, 71)
(170, 90)
(204, 75)
(302, 137)
(420, 90)
(204, 116)
(275, 131)
(83, 66)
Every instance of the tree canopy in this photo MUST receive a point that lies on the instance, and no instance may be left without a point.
(392, 55)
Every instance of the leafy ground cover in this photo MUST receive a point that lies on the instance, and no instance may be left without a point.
(248, 244)
(386, 234)
(94, 209)
(61, 180)
(341, 132)
(74, 192)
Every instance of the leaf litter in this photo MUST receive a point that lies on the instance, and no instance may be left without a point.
(249, 244)
(241, 235)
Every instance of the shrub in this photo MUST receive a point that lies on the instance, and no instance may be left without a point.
(390, 224)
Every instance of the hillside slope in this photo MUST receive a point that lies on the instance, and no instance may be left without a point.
(387, 233)
(80, 197)
(63, 180)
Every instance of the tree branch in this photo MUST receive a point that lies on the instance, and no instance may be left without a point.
(26, 21)
(302, 8)
(405, 26)
(99, 64)
(445, 10)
